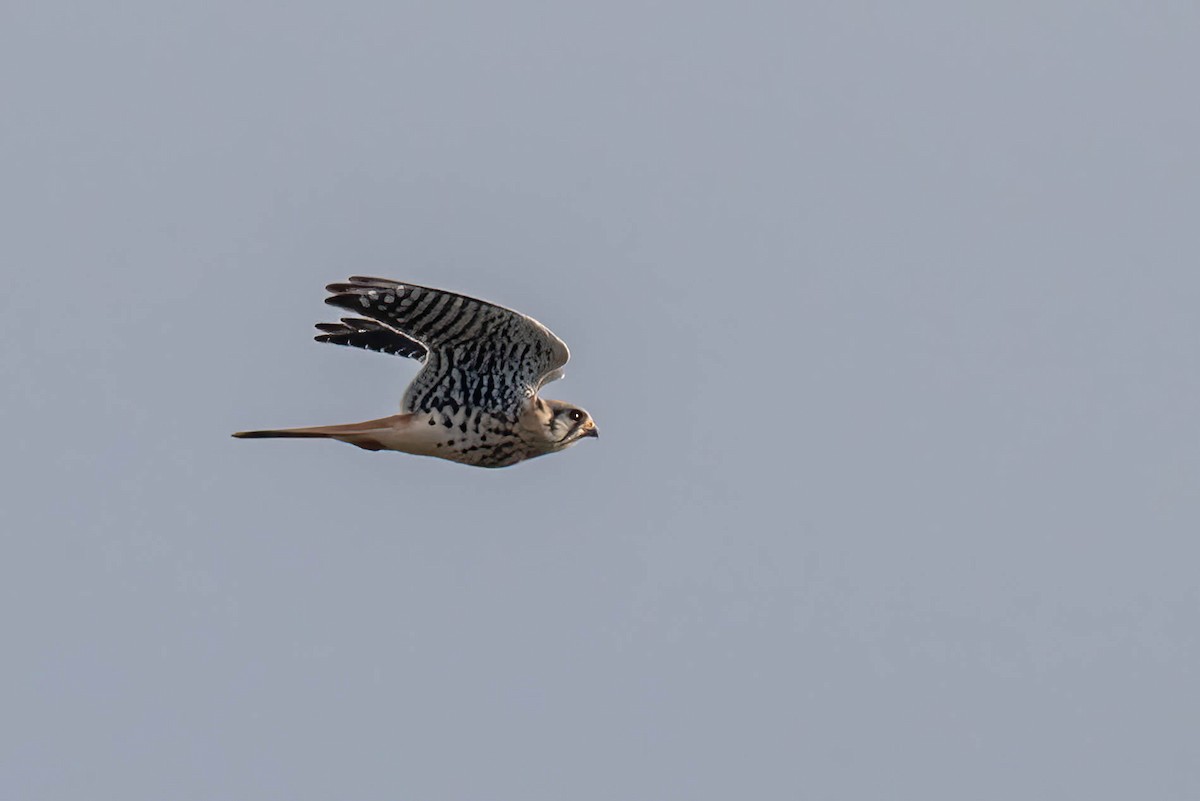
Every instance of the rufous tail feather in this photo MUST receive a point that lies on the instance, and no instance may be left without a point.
(359, 434)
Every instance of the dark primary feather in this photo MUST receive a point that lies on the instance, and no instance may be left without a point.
(359, 333)
(480, 355)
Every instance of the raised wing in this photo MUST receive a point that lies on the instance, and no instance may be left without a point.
(480, 355)
(359, 333)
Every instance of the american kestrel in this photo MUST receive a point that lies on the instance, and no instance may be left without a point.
(475, 400)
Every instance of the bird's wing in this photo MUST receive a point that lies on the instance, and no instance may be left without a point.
(480, 355)
(360, 333)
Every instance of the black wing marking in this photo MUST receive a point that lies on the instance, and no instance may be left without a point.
(359, 333)
(480, 355)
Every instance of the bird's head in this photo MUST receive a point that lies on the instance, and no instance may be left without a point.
(568, 424)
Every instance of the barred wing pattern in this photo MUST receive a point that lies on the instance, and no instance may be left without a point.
(480, 355)
(370, 335)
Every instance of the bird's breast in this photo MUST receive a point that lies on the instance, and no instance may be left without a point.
(465, 436)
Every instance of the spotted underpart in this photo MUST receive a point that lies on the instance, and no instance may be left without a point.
(483, 362)
(477, 438)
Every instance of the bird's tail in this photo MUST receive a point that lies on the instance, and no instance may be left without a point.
(364, 435)
(281, 433)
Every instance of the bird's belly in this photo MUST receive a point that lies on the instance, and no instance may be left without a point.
(480, 444)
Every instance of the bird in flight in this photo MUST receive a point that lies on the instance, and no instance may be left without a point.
(475, 400)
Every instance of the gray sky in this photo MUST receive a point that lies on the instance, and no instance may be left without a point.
(887, 314)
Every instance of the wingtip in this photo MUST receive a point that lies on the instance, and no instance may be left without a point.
(344, 300)
(360, 282)
(368, 279)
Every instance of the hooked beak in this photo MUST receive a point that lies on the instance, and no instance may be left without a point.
(592, 432)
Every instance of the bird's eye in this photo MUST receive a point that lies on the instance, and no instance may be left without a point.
(575, 415)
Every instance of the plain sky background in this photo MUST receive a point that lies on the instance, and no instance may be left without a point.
(887, 313)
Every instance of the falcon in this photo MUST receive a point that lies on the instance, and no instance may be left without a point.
(475, 400)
